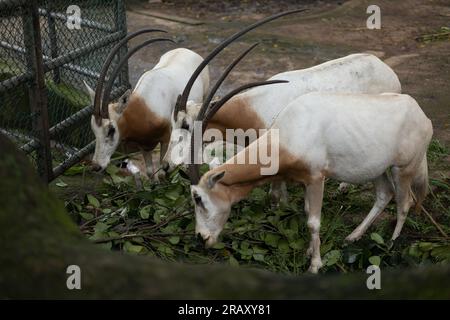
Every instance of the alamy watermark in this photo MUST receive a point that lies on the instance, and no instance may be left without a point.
(374, 280)
(263, 151)
(374, 20)
(73, 17)
(74, 279)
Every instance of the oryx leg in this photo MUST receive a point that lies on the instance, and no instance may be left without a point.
(161, 174)
(384, 194)
(313, 208)
(278, 192)
(163, 149)
(149, 165)
(402, 181)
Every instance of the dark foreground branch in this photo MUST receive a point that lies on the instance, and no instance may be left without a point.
(38, 241)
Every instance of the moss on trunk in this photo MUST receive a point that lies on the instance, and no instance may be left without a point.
(38, 241)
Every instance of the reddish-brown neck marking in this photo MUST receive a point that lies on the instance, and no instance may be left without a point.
(240, 179)
(138, 124)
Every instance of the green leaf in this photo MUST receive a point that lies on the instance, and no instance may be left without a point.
(377, 238)
(159, 215)
(174, 193)
(93, 201)
(165, 250)
(293, 224)
(258, 249)
(86, 216)
(61, 184)
(258, 257)
(414, 251)
(271, 239)
(425, 246)
(375, 260)
(101, 227)
(441, 252)
(258, 194)
(297, 244)
(274, 220)
(233, 262)
(440, 184)
(283, 246)
(74, 170)
(218, 245)
(331, 258)
(163, 202)
(245, 245)
(145, 212)
(174, 239)
(131, 248)
(112, 170)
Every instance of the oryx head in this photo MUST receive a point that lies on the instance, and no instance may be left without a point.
(212, 199)
(105, 118)
(106, 131)
(212, 206)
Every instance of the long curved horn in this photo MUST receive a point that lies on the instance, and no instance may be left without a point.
(181, 102)
(115, 72)
(194, 168)
(213, 91)
(101, 79)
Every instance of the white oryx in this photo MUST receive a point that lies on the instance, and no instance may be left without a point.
(141, 118)
(354, 138)
(257, 108)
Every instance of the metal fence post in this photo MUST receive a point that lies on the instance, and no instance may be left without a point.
(53, 41)
(37, 90)
(121, 25)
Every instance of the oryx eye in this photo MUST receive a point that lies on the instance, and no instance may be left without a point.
(184, 125)
(197, 200)
(111, 131)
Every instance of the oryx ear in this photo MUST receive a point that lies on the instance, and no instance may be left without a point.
(123, 101)
(89, 91)
(212, 179)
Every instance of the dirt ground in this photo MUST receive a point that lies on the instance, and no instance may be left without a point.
(328, 30)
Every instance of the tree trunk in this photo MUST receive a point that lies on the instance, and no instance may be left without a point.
(38, 241)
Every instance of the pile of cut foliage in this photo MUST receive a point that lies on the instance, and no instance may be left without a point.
(159, 221)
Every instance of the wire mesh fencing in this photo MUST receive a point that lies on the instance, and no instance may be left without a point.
(47, 49)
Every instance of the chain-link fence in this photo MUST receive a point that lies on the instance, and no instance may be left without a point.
(47, 49)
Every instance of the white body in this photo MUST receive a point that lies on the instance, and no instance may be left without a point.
(161, 86)
(355, 73)
(355, 138)
(349, 137)
(143, 116)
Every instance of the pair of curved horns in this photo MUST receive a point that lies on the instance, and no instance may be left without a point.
(194, 168)
(101, 105)
(182, 100)
(207, 110)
